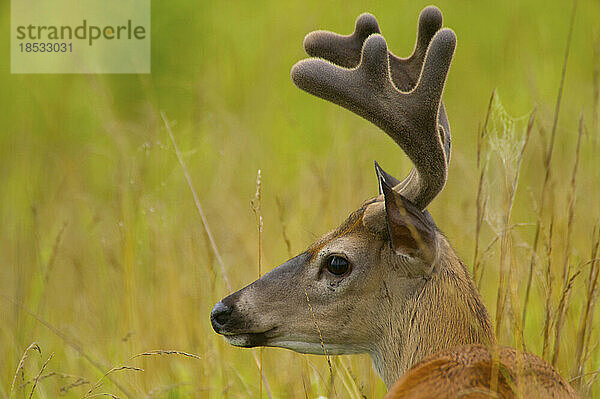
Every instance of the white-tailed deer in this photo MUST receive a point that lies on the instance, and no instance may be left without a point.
(387, 282)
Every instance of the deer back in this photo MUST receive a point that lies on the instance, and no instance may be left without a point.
(475, 371)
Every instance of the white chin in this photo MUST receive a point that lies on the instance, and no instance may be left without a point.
(313, 348)
(238, 340)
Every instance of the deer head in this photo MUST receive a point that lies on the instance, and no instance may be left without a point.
(386, 282)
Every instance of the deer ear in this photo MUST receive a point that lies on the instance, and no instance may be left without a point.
(411, 231)
(386, 177)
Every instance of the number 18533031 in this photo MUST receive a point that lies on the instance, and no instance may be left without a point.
(46, 47)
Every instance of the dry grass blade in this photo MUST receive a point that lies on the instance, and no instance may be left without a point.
(286, 239)
(483, 132)
(37, 377)
(256, 204)
(257, 210)
(596, 80)
(562, 79)
(562, 308)
(549, 283)
(242, 383)
(159, 352)
(98, 383)
(595, 376)
(54, 253)
(486, 252)
(547, 162)
(314, 317)
(78, 380)
(481, 208)
(579, 377)
(77, 383)
(211, 239)
(348, 379)
(481, 199)
(33, 346)
(264, 379)
(587, 316)
(70, 342)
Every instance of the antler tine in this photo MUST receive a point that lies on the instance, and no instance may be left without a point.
(345, 50)
(405, 71)
(409, 118)
(342, 50)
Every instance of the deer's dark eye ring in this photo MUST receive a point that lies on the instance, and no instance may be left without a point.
(337, 265)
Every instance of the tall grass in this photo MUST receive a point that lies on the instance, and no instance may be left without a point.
(114, 241)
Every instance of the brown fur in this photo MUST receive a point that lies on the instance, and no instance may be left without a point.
(445, 312)
(471, 372)
(350, 224)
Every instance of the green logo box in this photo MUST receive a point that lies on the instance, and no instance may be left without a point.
(80, 36)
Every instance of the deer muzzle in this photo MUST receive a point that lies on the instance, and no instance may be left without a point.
(252, 316)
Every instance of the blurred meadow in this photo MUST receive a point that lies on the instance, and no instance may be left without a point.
(104, 256)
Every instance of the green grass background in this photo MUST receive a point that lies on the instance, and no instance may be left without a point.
(88, 155)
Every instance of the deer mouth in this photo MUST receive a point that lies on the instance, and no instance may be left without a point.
(237, 329)
(250, 339)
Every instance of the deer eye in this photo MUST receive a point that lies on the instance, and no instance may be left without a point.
(337, 265)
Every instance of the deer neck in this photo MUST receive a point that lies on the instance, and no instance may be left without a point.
(441, 312)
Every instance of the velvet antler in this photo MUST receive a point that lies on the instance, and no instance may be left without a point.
(359, 73)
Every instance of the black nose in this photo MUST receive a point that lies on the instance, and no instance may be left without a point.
(219, 316)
